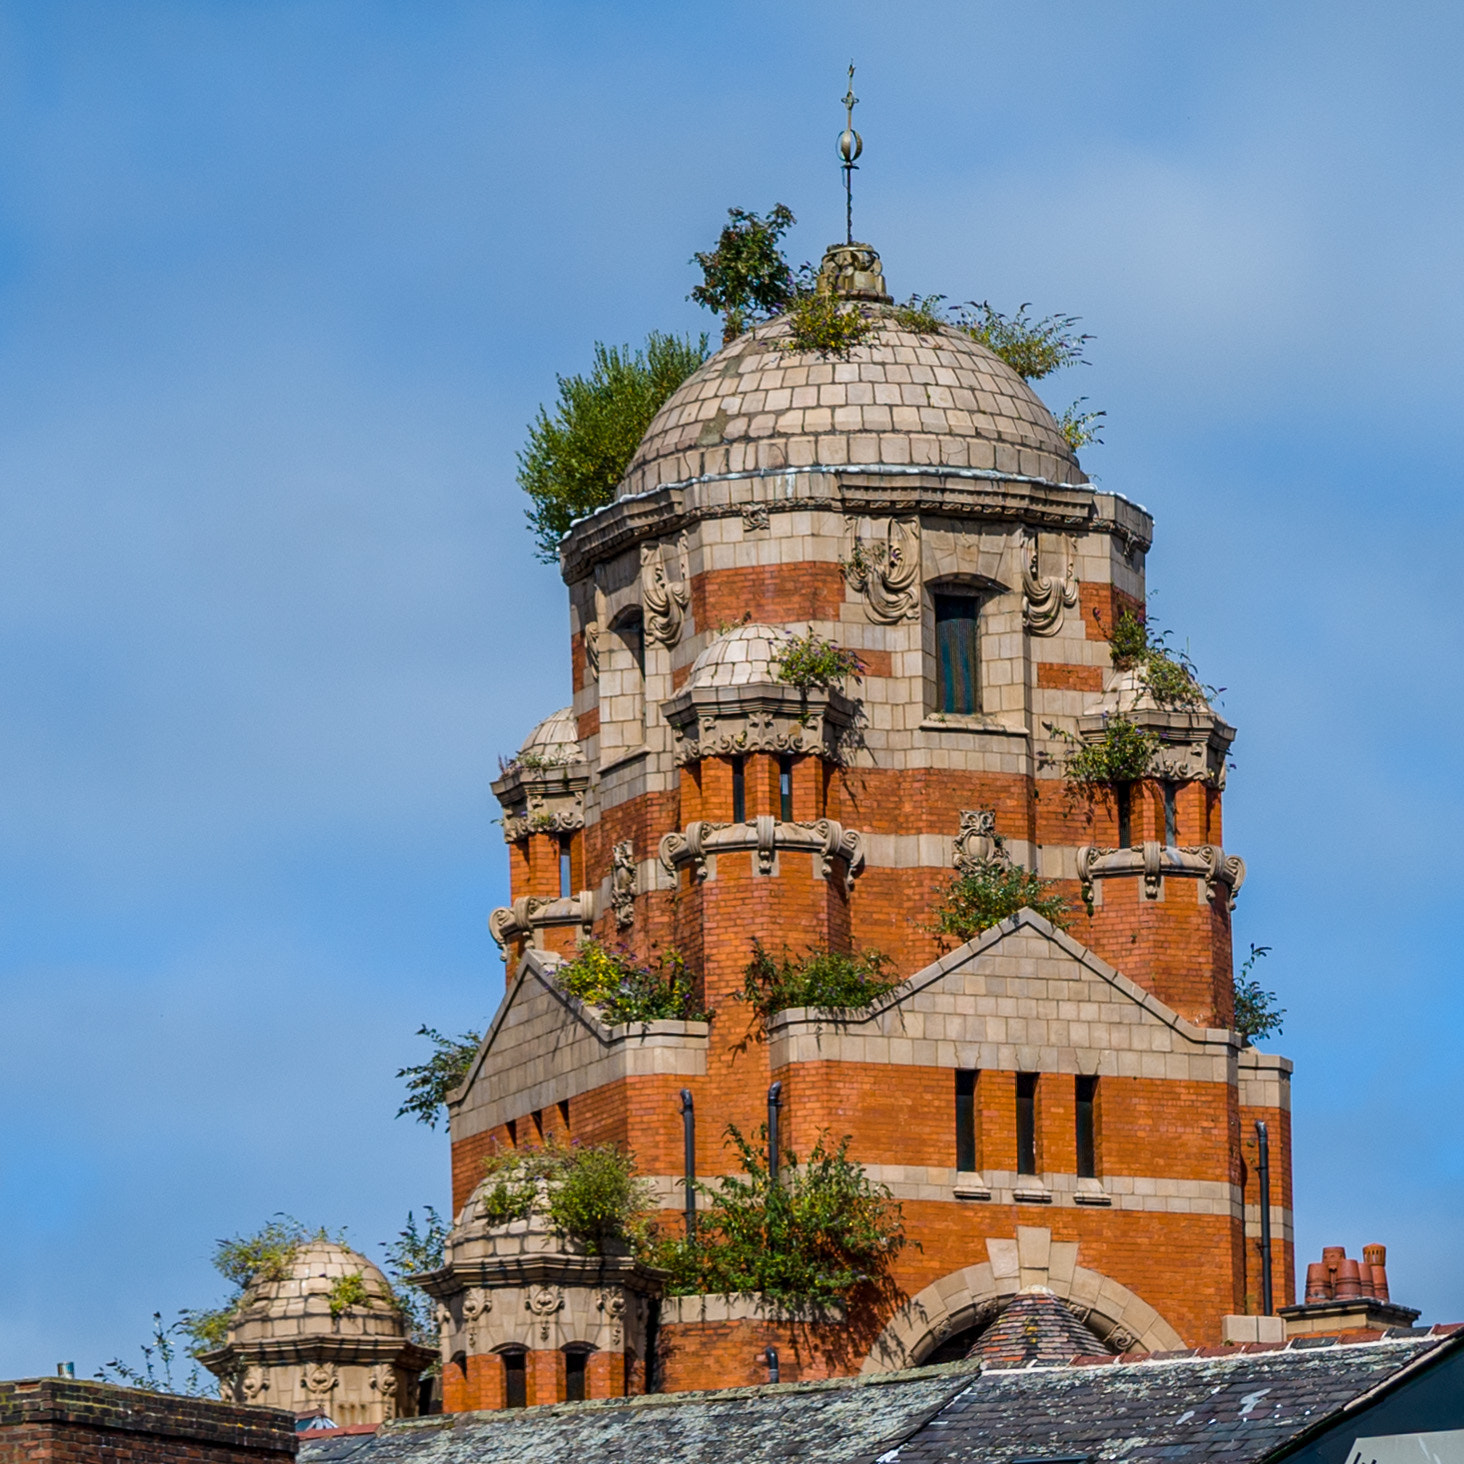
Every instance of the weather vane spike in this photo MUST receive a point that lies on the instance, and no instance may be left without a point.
(850, 146)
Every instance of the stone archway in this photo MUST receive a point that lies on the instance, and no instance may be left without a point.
(964, 1298)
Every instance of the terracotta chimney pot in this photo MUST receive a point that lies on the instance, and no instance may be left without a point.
(1318, 1283)
(1375, 1255)
(1380, 1281)
(1349, 1282)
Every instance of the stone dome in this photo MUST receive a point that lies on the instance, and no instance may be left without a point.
(298, 1304)
(940, 400)
(1126, 695)
(741, 657)
(554, 740)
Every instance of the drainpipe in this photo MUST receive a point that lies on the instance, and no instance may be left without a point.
(775, 1102)
(770, 1355)
(1263, 1143)
(688, 1140)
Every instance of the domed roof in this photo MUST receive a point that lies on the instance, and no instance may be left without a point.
(940, 400)
(299, 1302)
(554, 740)
(740, 657)
(1127, 694)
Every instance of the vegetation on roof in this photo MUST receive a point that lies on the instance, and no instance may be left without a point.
(990, 891)
(429, 1083)
(824, 979)
(811, 660)
(625, 990)
(575, 458)
(745, 278)
(1257, 1013)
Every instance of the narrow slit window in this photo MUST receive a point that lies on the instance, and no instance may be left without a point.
(739, 790)
(965, 1122)
(1171, 816)
(515, 1383)
(1124, 796)
(574, 1376)
(1026, 1123)
(565, 877)
(564, 1115)
(1087, 1093)
(785, 789)
(957, 664)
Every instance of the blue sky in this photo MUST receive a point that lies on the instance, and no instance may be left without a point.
(280, 287)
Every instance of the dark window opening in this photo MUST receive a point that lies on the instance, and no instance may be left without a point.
(785, 789)
(1171, 816)
(956, 652)
(633, 637)
(564, 1114)
(1087, 1091)
(565, 877)
(538, 1120)
(965, 1122)
(512, 1127)
(574, 1376)
(1124, 797)
(1026, 1123)
(739, 791)
(515, 1381)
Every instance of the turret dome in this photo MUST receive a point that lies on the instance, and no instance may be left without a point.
(555, 740)
(906, 399)
(743, 656)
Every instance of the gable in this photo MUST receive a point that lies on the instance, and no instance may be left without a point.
(545, 1047)
(1021, 997)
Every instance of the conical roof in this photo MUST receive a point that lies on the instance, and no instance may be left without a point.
(1036, 1328)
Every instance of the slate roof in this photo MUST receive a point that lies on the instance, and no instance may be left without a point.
(1036, 1327)
(1230, 1407)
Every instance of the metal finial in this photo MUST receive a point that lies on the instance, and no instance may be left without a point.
(850, 146)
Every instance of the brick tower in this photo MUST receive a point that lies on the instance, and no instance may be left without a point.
(1058, 1109)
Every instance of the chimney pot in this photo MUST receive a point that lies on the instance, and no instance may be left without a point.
(1349, 1282)
(1375, 1255)
(1318, 1283)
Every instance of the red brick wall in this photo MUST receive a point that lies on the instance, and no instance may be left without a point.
(733, 1354)
(773, 594)
(67, 1421)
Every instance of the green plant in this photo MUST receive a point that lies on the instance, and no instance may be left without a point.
(1256, 1014)
(826, 325)
(429, 1083)
(813, 1236)
(993, 890)
(1079, 428)
(415, 1250)
(347, 1291)
(822, 979)
(1032, 348)
(746, 278)
(1167, 674)
(922, 314)
(624, 990)
(573, 460)
(1123, 754)
(592, 1192)
(267, 1255)
(811, 660)
(156, 1373)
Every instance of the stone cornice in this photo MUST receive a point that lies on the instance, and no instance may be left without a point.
(761, 717)
(318, 1347)
(824, 837)
(875, 488)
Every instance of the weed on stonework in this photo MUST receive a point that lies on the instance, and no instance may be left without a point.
(624, 990)
(1257, 1014)
(826, 980)
(826, 326)
(812, 661)
(993, 890)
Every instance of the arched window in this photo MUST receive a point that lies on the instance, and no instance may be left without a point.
(576, 1366)
(515, 1380)
(957, 651)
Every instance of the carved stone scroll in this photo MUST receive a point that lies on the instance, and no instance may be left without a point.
(887, 571)
(664, 603)
(1044, 599)
(624, 881)
(1222, 873)
(544, 1302)
(829, 840)
(978, 841)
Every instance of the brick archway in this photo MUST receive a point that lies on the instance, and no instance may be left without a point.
(968, 1296)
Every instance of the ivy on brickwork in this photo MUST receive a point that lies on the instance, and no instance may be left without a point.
(990, 891)
(429, 1083)
(816, 1234)
(822, 979)
(623, 990)
(811, 660)
(574, 459)
(1257, 1015)
(591, 1193)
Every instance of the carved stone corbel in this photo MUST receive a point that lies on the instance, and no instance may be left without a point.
(623, 883)
(887, 573)
(1222, 869)
(544, 1302)
(1045, 599)
(664, 603)
(841, 843)
(676, 849)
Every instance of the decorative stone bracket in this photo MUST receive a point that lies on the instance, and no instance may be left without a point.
(542, 800)
(1193, 745)
(1044, 599)
(761, 717)
(531, 913)
(825, 838)
(624, 883)
(978, 842)
(1156, 862)
(663, 601)
(887, 573)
